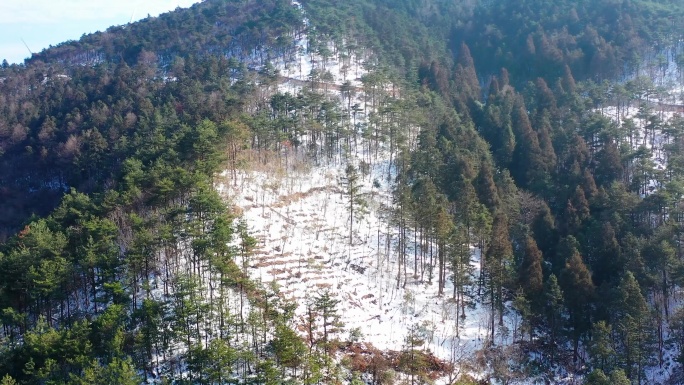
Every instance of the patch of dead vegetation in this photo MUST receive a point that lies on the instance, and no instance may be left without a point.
(286, 200)
(365, 358)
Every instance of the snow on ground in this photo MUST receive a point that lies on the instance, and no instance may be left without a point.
(344, 67)
(300, 217)
(299, 213)
(642, 137)
(655, 140)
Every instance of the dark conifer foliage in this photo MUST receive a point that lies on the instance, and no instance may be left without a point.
(531, 274)
(579, 291)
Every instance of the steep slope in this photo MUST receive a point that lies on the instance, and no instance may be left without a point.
(315, 239)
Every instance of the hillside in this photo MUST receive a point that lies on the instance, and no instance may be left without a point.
(361, 192)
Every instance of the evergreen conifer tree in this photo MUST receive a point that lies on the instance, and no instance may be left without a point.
(531, 275)
(579, 291)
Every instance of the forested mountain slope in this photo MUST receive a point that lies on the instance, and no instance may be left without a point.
(529, 167)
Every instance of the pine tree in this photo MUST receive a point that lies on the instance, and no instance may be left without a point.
(565, 249)
(494, 89)
(509, 142)
(118, 372)
(438, 79)
(609, 166)
(553, 310)
(149, 317)
(578, 289)
(528, 166)
(267, 373)
(548, 153)
(531, 276)
(288, 348)
(508, 193)
(461, 269)
(465, 78)
(486, 188)
(571, 221)
(574, 158)
(498, 264)
(326, 306)
(524, 308)
(568, 81)
(634, 323)
(204, 140)
(526, 162)
(662, 253)
(597, 377)
(427, 207)
(606, 260)
(545, 99)
(443, 230)
(589, 184)
(411, 360)
(618, 377)
(544, 229)
(355, 202)
(496, 127)
(601, 347)
(504, 77)
(580, 203)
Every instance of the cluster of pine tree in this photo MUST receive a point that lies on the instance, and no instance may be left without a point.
(579, 230)
(131, 268)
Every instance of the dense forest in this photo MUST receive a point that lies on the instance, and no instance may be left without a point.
(120, 263)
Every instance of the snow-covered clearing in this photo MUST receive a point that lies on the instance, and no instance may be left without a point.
(299, 212)
(301, 219)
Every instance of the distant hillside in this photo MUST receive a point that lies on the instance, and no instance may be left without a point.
(217, 28)
(66, 113)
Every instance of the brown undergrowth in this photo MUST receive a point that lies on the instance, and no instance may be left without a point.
(365, 358)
